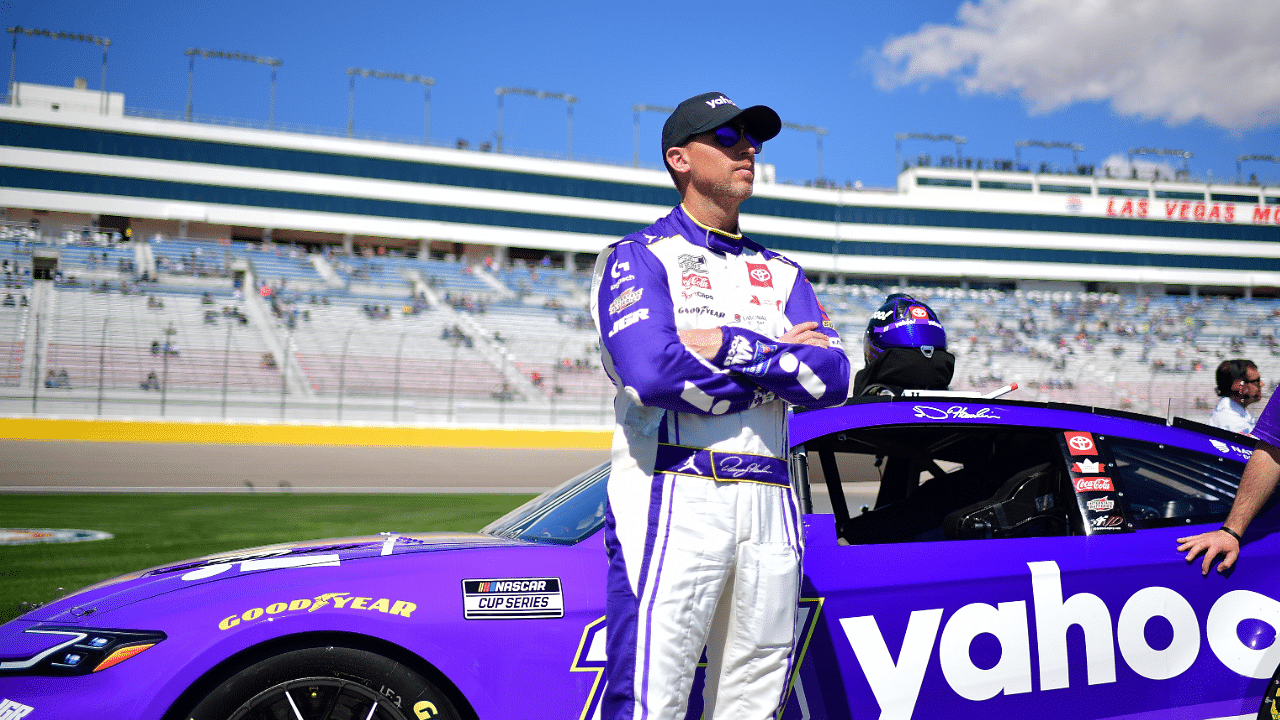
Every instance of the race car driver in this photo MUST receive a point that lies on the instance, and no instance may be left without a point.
(708, 336)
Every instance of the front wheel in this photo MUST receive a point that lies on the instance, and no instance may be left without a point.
(326, 683)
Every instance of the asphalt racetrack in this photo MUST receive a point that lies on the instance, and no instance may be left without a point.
(48, 456)
(59, 466)
(51, 456)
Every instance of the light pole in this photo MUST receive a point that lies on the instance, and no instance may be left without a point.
(427, 83)
(541, 95)
(1243, 158)
(1184, 154)
(899, 137)
(636, 110)
(13, 58)
(818, 131)
(1075, 149)
(273, 63)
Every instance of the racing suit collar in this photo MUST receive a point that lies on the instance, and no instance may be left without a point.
(715, 240)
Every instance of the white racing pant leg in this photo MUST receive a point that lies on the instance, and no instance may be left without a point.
(670, 549)
(673, 545)
(753, 630)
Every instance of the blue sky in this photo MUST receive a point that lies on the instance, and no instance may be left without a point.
(1109, 74)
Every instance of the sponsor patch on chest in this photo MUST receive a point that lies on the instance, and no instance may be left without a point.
(759, 275)
(692, 263)
(693, 280)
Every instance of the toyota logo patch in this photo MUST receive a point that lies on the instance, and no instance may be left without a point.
(760, 275)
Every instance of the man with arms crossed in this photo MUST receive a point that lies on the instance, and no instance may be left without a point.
(707, 336)
(1256, 485)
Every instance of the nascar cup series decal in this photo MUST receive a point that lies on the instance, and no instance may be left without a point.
(512, 597)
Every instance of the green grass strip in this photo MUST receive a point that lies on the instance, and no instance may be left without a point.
(154, 530)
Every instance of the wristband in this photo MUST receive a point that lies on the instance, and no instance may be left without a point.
(1232, 533)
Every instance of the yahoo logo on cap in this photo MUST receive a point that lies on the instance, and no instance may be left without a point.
(722, 100)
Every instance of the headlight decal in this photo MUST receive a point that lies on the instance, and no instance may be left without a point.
(85, 650)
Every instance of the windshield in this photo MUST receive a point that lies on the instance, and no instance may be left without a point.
(564, 515)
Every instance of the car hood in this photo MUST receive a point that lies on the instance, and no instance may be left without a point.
(111, 594)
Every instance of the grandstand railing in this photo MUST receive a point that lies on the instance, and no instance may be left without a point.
(105, 355)
(393, 358)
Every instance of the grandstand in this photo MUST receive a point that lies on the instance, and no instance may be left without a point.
(102, 338)
(321, 275)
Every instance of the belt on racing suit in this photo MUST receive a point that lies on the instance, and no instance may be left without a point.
(720, 465)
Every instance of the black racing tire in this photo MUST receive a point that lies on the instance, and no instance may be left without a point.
(1270, 708)
(325, 683)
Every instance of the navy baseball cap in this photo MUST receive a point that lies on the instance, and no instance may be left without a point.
(708, 111)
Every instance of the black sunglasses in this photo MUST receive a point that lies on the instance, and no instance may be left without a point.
(729, 135)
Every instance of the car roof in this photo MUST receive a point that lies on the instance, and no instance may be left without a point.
(860, 413)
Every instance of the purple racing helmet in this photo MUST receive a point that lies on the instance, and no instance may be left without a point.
(902, 321)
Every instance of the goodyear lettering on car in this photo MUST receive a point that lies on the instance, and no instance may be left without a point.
(512, 597)
(329, 601)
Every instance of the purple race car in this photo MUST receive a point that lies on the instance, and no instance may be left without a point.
(1012, 560)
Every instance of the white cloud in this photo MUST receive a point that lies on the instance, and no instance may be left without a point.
(1174, 60)
(1117, 165)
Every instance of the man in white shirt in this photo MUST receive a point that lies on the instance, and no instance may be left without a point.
(1239, 386)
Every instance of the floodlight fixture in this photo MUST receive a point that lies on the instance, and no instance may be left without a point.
(636, 110)
(17, 30)
(426, 82)
(957, 139)
(818, 131)
(1246, 158)
(1163, 152)
(1075, 148)
(273, 63)
(541, 95)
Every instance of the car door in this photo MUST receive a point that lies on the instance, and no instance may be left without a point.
(1077, 619)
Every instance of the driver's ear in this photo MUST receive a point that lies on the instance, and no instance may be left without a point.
(678, 159)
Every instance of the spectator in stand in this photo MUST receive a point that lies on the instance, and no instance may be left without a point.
(1239, 386)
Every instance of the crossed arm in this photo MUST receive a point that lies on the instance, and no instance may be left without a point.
(706, 343)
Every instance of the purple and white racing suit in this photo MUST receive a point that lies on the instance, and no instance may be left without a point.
(703, 531)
